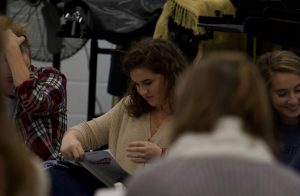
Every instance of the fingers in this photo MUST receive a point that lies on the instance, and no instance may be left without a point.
(68, 155)
(137, 152)
(71, 149)
(80, 153)
(20, 40)
(138, 157)
(137, 144)
(76, 154)
(142, 151)
(12, 38)
(135, 149)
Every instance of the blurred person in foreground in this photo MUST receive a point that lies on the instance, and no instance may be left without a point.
(20, 171)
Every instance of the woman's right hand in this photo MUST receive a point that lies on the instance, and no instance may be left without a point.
(71, 146)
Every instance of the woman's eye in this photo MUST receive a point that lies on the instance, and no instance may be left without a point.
(281, 93)
(148, 83)
(297, 89)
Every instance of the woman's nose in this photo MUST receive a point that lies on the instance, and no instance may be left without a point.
(293, 99)
(143, 91)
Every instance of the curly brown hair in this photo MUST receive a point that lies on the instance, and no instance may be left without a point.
(159, 56)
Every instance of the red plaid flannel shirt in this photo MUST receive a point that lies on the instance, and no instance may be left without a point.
(41, 111)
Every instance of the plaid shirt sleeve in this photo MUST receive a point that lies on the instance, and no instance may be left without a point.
(42, 118)
(42, 92)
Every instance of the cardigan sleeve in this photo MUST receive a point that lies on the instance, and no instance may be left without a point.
(96, 132)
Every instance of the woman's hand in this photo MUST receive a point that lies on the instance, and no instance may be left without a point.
(142, 151)
(17, 61)
(12, 40)
(71, 146)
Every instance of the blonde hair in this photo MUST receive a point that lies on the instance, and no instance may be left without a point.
(278, 61)
(223, 83)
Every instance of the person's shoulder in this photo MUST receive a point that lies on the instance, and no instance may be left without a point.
(46, 70)
(177, 171)
(121, 105)
(154, 177)
(126, 100)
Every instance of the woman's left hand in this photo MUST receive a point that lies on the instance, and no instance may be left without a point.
(12, 40)
(142, 151)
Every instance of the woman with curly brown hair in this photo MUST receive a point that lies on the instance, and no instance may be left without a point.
(137, 128)
(134, 128)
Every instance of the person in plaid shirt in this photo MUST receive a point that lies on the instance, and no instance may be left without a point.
(38, 95)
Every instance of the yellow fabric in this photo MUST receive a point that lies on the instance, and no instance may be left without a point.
(186, 13)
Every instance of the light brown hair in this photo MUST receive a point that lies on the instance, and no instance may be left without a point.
(278, 61)
(20, 174)
(159, 56)
(223, 83)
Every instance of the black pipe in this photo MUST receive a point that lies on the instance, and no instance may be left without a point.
(92, 79)
(3, 5)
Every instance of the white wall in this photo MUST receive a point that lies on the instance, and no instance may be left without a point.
(76, 70)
